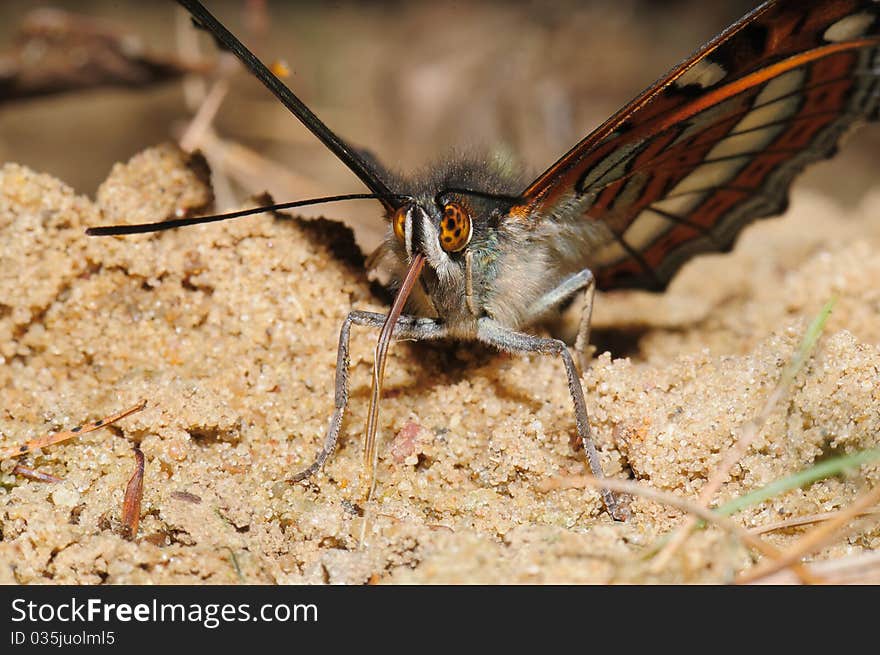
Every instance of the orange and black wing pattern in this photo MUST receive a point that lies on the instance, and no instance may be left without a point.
(716, 143)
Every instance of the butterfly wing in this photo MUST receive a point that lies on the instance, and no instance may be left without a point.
(717, 142)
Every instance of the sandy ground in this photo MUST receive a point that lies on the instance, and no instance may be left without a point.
(229, 332)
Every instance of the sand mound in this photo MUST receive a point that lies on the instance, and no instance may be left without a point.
(230, 331)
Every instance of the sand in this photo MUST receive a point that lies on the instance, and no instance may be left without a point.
(229, 331)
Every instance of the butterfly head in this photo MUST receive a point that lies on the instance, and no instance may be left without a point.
(456, 232)
(450, 220)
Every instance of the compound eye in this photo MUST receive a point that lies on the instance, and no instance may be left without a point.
(455, 228)
(398, 223)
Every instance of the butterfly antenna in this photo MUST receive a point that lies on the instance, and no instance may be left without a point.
(158, 226)
(346, 154)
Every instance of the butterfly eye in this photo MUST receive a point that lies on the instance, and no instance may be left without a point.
(455, 228)
(398, 223)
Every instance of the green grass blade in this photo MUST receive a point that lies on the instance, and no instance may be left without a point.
(808, 344)
(820, 471)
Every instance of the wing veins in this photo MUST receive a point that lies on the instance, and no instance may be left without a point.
(675, 218)
(725, 158)
(645, 97)
(743, 113)
(637, 257)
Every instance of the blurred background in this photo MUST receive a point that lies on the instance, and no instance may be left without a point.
(410, 81)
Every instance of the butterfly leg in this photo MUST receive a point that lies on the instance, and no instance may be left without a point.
(585, 281)
(407, 328)
(494, 334)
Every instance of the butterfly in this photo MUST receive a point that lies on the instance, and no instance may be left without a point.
(711, 146)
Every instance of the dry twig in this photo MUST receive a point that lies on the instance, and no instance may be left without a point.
(798, 521)
(58, 437)
(814, 540)
(41, 62)
(695, 509)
